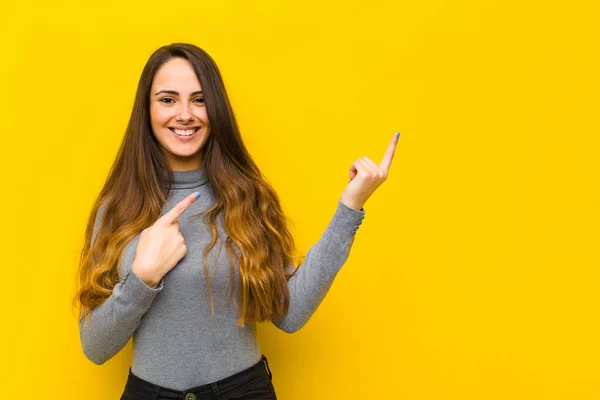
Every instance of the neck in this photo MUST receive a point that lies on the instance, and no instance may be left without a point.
(189, 179)
(182, 164)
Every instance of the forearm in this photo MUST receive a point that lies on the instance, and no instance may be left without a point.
(310, 284)
(111, 324)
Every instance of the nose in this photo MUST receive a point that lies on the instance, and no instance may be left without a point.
(184, 113)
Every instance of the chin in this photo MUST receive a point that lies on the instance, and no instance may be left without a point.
(185, 154)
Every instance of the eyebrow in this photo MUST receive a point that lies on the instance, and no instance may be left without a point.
(175, 93)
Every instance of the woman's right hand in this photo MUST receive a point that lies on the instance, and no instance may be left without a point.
(161, 245)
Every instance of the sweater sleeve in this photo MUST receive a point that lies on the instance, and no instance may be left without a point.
(323, 260)
(111, 324)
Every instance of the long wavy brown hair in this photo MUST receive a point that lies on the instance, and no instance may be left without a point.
(139, 183)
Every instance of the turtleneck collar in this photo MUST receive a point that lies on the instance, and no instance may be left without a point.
(189, 179)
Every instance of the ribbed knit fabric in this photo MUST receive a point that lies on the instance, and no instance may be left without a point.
(176, 342)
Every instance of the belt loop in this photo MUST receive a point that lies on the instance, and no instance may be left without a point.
(267, 365)
(215, 388)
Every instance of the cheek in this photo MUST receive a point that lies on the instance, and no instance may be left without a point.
(202, 116)
(159, 116)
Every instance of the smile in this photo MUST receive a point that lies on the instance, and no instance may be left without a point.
(187, 132)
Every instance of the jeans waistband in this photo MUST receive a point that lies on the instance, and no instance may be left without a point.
(150, 390)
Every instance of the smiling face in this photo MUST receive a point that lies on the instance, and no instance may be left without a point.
(178, 114)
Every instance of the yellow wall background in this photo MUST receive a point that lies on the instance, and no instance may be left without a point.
(475, 274)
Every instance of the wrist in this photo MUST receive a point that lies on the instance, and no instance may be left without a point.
(150, 283)
(145, 276)
(352, 204)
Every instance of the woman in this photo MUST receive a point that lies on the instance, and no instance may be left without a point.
(151, 268)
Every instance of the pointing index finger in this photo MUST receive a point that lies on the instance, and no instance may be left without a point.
(386, 162)
(178, 209)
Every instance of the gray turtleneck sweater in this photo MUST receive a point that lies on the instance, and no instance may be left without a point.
(176, 341)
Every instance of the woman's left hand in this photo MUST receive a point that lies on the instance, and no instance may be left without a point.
(366, 176)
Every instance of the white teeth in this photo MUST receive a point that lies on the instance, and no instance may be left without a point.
(184, 133)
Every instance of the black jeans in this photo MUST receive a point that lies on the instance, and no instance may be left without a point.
(253, 383)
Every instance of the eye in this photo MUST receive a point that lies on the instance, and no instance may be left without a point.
(169, 102)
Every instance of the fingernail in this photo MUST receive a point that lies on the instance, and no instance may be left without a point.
(197, 195)
(397, 135)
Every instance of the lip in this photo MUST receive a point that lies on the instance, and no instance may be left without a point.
(184, 128)
(185, 138)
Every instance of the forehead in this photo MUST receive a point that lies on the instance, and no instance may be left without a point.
(176, 74)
